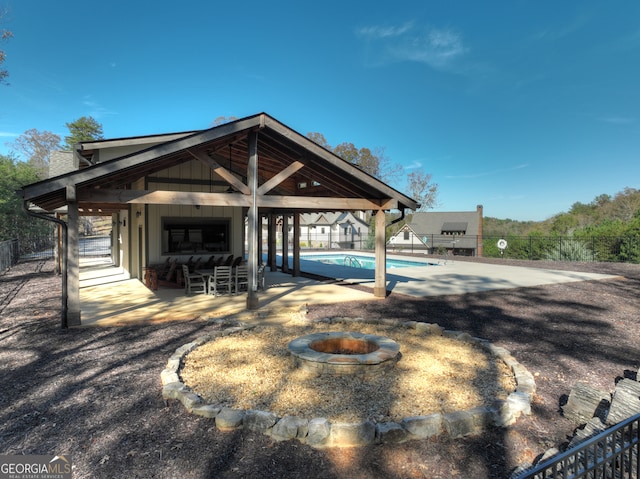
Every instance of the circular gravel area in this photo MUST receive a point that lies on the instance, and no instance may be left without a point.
(437, 373)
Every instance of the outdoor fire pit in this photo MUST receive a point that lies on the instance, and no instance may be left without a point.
(344, 353)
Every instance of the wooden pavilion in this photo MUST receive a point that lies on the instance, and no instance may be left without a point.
(212, 181)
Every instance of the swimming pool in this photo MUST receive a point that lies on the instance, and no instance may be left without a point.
(360, 261)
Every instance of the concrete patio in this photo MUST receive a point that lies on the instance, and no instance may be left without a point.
(108, 298)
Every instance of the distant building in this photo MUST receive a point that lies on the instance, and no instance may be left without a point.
(343, 230)
(326, 230)
(456, 232)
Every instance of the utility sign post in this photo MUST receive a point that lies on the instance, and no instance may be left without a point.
(502, 245)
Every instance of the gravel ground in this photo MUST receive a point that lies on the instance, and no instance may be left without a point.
(435, 374)
(94, 393)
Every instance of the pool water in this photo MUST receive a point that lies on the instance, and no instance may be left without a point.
(360, 261)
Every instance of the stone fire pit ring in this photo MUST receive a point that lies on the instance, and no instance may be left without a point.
(320, 432)
(344, 353)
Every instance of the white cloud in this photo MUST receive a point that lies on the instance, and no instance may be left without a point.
(619, 120)
(561, 30)
(97, 111)
(436, 47)
(8, 134)
(414, 165)
(385, 32)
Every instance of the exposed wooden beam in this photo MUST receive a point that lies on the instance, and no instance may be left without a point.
(336, 162)
(220, 171)
(324, 204)
(280, 177)
(163, 197)
(103, 196)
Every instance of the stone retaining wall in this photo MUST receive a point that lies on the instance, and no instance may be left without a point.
(320, 432)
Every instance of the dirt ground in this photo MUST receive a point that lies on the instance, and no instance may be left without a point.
(95, 393)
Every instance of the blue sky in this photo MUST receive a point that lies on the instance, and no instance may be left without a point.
(525, 107)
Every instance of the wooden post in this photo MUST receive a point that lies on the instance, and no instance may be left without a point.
(380, 285)
(285, 243)
(296, 244)
(252, 219)
(271, 247)
(73, 259)
(259, 251)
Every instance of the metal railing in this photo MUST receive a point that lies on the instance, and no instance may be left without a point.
(9, 254)
(352, 261)
(622, 249)
(87, 246)
(611, 454)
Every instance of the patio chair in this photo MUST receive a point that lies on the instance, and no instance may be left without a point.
(236, 262)
(168, 276)
(210, 263)
(193, 282)
(241, 278)
(222, 281)
(228, 261)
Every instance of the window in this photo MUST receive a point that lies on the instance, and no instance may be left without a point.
(322, 230)
(195, 235)
(406, 235)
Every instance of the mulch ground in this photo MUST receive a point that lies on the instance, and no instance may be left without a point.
(95, 393)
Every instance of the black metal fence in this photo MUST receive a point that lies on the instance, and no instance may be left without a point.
(611, 454)
(567, 248)
(9, 254)
(88, 246)
(624, 249)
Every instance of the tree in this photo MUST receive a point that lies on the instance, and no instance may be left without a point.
(374, 162)
(627, 204)
(319, 139)
(4, 36)
(83, 129)
(602, 200)
(363, 158)
(564, 224)
(14, 222)
(422, 189)
(35, 148)
(377, 164)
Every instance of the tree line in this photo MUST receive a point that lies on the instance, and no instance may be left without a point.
(606, 229)
(28, 162)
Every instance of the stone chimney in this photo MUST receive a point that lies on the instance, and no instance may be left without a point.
(61, 162)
